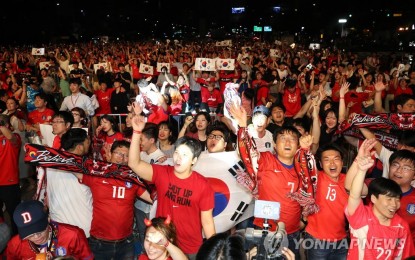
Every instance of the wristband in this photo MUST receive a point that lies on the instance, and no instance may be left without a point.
(137, 132)
(166, 244)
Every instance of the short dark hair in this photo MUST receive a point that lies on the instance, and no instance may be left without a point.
(383, 186)
(66, 116)
(280, 105)
(329, 147)
(402, 155)
(72, 138)
(287, 129)
(75, 81)
(193, 144)
(120, 143)
(222, 246)
(304, 122)
(42, 96)
(402, 99)
(221, 127)
(151, 132)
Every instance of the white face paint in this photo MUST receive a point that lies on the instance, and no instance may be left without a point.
(259, 120)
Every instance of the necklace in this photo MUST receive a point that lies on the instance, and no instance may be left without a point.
(74, 103)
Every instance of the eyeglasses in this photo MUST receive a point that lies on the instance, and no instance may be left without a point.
(119, 154)
(217, 137)
(397, 166)
(58, 122)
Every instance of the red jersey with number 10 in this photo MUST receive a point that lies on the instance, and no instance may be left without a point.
(113, 205)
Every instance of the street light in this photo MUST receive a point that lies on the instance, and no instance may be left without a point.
(342, 22)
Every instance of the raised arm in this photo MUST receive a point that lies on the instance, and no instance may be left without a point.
(187, 121)
(362, 164)
(142, 169)
(379, 87)
(364, 152)
(342, 105)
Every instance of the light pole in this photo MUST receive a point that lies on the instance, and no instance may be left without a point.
(342, 22)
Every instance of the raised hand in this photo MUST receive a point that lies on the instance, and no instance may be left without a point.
(365, 149)
(306, 141)
(239, 114)
(344, 88)
(379, 86)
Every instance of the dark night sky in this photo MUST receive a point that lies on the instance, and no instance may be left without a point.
(29, 20)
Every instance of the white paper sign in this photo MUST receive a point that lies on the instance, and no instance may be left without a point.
(225, 64)
(163, 64)
(38, 51)
(224, 43)
(205, 64)
(146, 69)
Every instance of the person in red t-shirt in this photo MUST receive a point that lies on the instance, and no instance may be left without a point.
(10, 144)
(331, 197)
(161, 240)
(62, 121)
(276, 175)
(40, 239)
(291, 98)
(113, 209)
(377, 232)
(41, 115)
(226, 76)
(204, 81)
(182, 193)
(212, 99)
(106, 134)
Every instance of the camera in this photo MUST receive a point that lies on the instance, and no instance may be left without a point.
(268, 243)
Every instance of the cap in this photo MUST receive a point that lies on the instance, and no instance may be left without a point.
(261, 109)
(30, 218)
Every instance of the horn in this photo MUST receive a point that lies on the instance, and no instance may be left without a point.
(147, 222)
(168, 219)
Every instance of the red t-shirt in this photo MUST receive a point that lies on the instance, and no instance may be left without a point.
(292, 102)
(275, 181)
(37, 117)
(71, 241)
(109, 140)
(407, 210)
(104, 99)
(204, 83)
(212, 99)
(183, 200)
(225, 78)
(357, 98)
(400, 91)
(9, 158)
(331, 197)
(113, 206)
(256, 84)
(382, 242)
(157, 115)
(262, 92)
(56, 142)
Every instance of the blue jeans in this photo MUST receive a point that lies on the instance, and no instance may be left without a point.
(105, 250)
(293, 239)
(320, 249)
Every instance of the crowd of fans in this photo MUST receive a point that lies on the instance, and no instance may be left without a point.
(293, 101)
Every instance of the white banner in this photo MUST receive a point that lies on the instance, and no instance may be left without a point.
(205, 64)
(231, 199)
(146, 69)
(38, 51)
(225, 64)
(163, 64)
